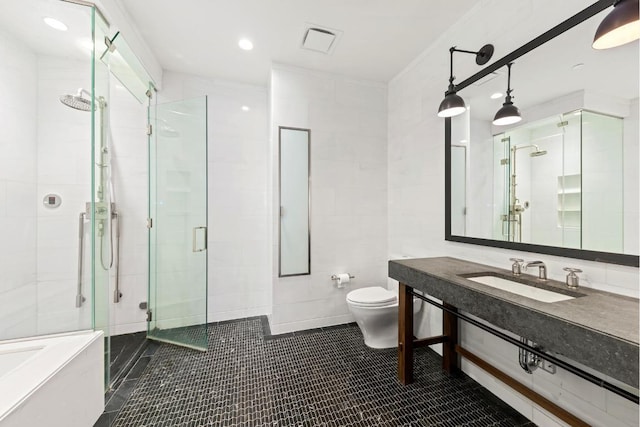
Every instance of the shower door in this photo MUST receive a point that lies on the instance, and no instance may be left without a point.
(177, 311)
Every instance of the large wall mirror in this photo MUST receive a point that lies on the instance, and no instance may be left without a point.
(294, 241)
(564, 180)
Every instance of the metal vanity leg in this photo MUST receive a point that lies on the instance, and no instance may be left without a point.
(405, 334)
(450, 359)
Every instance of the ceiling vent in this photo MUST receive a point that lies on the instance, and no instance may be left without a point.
(320, 39)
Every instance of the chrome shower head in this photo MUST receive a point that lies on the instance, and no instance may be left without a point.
(538, 153)
(77, 101)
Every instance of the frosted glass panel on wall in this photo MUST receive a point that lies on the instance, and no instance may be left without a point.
(295, 257)
(458, 188)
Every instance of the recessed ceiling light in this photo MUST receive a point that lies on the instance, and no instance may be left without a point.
(245, 108)
(496, 95)
(245, 44)
(463, 141)
(55, 24)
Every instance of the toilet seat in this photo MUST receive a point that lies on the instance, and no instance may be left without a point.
(374, 296)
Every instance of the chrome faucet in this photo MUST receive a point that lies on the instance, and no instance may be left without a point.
(542, 273)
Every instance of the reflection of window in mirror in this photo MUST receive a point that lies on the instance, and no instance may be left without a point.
(294, 231)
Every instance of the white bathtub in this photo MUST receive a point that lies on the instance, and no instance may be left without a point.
(54, 380)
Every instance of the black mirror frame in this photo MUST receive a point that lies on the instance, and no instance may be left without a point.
(607, 257)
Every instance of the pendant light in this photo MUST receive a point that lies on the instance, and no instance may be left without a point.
(453, 104)
(620, 26)
(509, 113)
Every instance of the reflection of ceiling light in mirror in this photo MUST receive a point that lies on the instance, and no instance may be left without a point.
(245, 44)
(245, 108)
(55, 24)
(577, 66)
(497, 95)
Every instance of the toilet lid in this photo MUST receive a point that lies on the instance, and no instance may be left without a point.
(374, 295)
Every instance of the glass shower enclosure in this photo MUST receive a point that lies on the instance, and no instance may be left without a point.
(557, 182)
(55, 100)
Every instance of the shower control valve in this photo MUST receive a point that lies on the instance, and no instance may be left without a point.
(516, 268)
(572, 278)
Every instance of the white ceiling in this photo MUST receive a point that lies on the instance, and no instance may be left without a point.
(380, 37)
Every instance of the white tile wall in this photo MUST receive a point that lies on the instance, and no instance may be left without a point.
(18, 141)
(416, 224)
(64, 168)
(347, 118)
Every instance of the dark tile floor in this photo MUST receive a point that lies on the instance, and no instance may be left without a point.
(130, 355)
(123, 351)
(322, 378)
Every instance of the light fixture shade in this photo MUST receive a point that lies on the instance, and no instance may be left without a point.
(507, 115)
(620, 26)
(451, 105)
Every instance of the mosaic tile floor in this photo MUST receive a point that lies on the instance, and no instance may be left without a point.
(325, 377)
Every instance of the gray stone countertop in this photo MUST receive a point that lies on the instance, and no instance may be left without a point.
(597, 329)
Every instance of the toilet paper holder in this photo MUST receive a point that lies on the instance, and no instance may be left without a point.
(335, 277)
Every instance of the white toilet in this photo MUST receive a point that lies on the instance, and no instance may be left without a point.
(375, 310)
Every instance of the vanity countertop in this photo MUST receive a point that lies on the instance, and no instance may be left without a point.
(597, 329)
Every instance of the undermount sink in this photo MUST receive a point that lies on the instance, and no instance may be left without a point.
(520, 288)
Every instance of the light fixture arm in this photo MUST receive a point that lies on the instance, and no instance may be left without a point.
(482, 57)
(509, 90)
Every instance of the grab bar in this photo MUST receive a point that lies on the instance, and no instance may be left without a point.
(116, 293)
(79, 298)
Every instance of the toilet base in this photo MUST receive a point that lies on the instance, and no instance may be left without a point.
(379, 325)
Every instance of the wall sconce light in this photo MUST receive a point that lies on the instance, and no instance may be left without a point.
(453, 104)
(509, 113)
(620, 26)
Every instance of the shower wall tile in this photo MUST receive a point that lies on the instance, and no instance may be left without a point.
(416, 213)
(347, 118)
(18, 142)
(64, 168)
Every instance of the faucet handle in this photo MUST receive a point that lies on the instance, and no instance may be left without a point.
(516, 267)
(572, 278)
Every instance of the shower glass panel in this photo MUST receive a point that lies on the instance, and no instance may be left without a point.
(294, 241)
(602, 183)
(127, 68)
(100, 206)
(178, 233)
(56, 104)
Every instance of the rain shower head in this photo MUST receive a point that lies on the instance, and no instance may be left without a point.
(78, 102)
(538, 152)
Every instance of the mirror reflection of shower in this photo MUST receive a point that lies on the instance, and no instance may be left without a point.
(104, 209)
(516, 209)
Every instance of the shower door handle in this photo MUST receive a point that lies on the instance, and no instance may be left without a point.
(195, 239)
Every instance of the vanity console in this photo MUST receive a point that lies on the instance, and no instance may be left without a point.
(598, 330)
